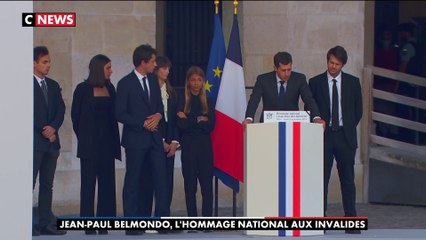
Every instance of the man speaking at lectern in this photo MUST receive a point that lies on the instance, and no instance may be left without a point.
(280, 90)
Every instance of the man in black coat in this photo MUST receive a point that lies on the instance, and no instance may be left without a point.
(139, 108)
(49, 110)
(280, 90)
(338, 96)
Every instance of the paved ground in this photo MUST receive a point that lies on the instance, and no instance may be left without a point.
(382, 216)
(385, 222)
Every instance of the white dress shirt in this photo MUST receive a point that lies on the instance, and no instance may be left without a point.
(39, 80)
(279, 84)
(140, 77)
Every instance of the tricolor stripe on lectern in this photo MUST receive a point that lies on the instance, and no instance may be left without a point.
(290, 167)
(284, 173)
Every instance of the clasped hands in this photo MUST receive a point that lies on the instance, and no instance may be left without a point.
(151, 122)
(170, 149)
(49, 133)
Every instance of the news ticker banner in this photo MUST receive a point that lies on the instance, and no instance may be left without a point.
(213, 223)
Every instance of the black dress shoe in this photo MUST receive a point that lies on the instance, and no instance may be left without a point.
(353, 231)
(36, 231)
(103, 232)
(134, 232)
(50, 230)
(90, 232)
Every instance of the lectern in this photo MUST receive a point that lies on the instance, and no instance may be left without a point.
(284, 173)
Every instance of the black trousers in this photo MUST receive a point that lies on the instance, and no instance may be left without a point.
(132, 190)
(102, 170)
(197, 163)
(44, 162)
(336, 147)
(147, 192)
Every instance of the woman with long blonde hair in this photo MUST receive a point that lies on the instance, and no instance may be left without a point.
(196, 120)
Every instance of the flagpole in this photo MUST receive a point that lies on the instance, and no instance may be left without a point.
(216, 182)
(234, 193)
(216, 196)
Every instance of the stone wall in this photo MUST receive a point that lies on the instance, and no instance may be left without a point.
(305, 29)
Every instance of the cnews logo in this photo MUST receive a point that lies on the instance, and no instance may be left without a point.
(64, 19)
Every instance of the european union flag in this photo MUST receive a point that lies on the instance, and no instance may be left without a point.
(216, 61)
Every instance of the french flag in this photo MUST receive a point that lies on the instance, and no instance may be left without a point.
(228, 134)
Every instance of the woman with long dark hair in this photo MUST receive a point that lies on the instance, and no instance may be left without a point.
(96, 128)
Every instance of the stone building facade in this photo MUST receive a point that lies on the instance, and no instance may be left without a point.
(305, 29)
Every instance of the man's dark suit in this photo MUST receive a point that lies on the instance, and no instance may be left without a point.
(169, 132)
(46, 153)
(340, 144)
(141, 145)
(266, 88)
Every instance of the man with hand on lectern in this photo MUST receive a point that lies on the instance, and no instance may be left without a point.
(280, 90)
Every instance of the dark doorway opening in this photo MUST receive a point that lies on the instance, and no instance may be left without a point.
(188, 36)
(398, 182)
(390, 17)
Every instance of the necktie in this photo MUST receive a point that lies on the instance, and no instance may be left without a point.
(281, 94)
(145, 88)
(44, 89)
(335, 108)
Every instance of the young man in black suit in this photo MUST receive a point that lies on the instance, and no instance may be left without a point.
(280, 90)
(338, 96)
(49, 110)
(139, 108)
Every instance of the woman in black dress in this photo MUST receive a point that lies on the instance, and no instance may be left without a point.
(196, 120)
(96, 128)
